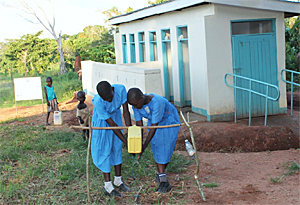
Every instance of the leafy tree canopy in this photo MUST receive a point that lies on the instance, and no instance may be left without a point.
(40, 53)
(292, 39)
(156, 1)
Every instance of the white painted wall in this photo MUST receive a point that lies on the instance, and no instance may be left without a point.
(147, 79)
(193, 18)
(118, 48)
(219, 53)
(210, 51)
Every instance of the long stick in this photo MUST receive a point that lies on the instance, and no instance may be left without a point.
(87, 161)
(196, 157)
(120, 128)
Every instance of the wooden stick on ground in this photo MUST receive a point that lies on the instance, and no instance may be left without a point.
(196, 158)
(87, 161)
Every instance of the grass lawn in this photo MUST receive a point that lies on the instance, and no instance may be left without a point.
(64, 86)
(41, 166)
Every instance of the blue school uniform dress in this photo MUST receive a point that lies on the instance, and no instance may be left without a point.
(106, 147)
(160, 110)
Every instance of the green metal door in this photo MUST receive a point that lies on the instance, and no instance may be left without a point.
(254, 56)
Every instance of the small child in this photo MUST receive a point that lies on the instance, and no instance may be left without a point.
(83, 114)
(51, 98)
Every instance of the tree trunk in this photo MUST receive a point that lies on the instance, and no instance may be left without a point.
(61, 55)
(25, 68)
(25, 62)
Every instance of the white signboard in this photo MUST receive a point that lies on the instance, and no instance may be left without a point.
(28, 88)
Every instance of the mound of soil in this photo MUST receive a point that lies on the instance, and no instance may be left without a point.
(224, 137)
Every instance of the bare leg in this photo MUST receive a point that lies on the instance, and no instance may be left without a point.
(47, 118)
(106, 177)
(118, 170)
(161, 168)
(121, 186)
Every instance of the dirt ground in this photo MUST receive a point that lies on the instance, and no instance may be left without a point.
(239, 158)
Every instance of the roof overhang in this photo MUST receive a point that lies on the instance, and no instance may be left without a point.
(288, 7)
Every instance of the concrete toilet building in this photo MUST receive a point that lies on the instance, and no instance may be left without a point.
(199, 41)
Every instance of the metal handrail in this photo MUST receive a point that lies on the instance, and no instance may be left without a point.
(250, 92)
(292, 84)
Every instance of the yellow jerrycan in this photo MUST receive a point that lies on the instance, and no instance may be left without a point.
(134, 139)
(58, 118)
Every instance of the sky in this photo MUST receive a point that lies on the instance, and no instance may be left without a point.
(71, 16)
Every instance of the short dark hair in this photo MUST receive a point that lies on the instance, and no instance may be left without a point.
(134, 94)
(81, 93)
(49, 78)
(104, 89)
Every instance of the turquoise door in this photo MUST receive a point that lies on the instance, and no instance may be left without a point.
(184, 68)
(167, 63)
(254, 56)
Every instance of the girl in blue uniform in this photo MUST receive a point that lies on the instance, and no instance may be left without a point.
(106, 145)
(159, 111)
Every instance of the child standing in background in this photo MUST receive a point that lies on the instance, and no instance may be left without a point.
(51, 98)
(83, 114)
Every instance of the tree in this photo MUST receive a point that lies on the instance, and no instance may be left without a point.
(28, 9)
(292, 47)
(101, 53)
(128, 10)
(36, 54)
(24, 60)
(114, 11)
(156, 1)
(94, 32)
(292, 39)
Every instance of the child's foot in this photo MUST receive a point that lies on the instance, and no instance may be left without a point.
(113, 193)
(47, 124)
(164, 187)
(124, 188)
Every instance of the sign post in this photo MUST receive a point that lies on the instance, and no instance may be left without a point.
(28, 89)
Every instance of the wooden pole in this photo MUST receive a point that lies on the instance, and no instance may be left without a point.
(196, 158)
(11, 75)
(87, 161)
(15, 101)
(16, 108)
(120, 128)
(43, 104)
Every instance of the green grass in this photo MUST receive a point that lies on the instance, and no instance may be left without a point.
(40, 166)
(210, 185)
(290, 168)
(9, 120)
(64, 86)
